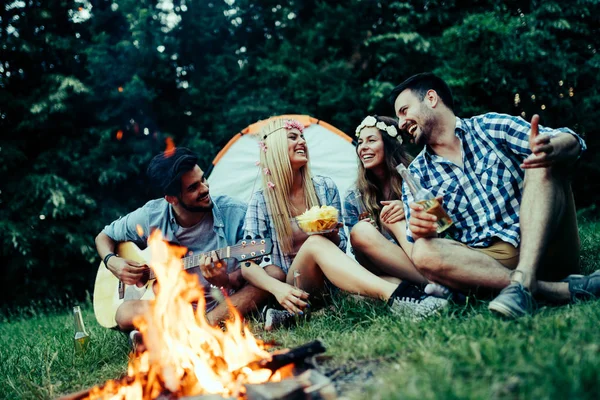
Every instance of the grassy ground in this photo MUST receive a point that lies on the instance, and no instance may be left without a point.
(466, 353)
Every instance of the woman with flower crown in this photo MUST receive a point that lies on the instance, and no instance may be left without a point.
(289, 190)
(379, 239)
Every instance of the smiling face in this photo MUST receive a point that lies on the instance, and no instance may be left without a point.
(370, 148)
(194, 195)
(297, 149)
(415, 117)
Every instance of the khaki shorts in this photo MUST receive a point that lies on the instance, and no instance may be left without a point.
(503, 252)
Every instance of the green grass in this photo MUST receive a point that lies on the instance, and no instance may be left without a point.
(466, 353)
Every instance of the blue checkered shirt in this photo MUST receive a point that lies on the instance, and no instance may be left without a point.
(484, 196)
(258, 221)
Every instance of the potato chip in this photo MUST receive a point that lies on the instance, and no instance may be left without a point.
(318, 219)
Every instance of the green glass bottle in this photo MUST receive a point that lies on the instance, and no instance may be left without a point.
(81, 338)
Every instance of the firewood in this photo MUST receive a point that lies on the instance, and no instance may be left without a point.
(288, 389)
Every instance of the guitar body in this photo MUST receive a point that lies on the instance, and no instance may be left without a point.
(106, 288)
(110, 293)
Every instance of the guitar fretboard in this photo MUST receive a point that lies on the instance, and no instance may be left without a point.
(194, 260)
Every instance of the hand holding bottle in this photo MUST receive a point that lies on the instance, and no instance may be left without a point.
(421, 223)
(430, 215)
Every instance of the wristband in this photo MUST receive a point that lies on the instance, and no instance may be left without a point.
(107, 257)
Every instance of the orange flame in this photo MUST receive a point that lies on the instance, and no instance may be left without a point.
(170, 150)
(184, 354)
(119, 134)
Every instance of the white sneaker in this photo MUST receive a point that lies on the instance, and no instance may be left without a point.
(410, 301)
(441, 291)
(277, 318)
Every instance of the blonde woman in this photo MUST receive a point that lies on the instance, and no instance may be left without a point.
(288, 190)
(374, 209)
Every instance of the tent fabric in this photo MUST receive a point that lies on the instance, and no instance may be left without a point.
(234, 171)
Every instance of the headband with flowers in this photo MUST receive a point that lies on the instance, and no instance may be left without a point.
(288, 125)
(371, 121)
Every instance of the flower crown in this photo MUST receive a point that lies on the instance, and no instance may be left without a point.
(288, 125)
(371, 121)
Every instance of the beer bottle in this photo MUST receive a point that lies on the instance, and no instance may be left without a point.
(425, 198)
(81, 338)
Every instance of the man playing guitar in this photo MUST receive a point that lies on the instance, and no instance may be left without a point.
(187, 216)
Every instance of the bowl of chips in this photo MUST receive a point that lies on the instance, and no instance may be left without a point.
(316, 220)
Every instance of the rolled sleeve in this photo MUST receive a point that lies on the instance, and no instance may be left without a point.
(126, 228)
(515, 132)
(333, 199)
(351, 214)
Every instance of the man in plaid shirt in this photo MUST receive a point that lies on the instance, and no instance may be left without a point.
(505, 184)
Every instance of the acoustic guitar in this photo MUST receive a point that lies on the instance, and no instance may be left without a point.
(110, 292)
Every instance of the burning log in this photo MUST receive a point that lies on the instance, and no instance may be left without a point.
(293, 356)
(310, 385)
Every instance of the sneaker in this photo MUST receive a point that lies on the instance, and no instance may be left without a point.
(584, 287)
(277, 318)
(514, 301)
(410, 301)
(136, 341)
(443, 292)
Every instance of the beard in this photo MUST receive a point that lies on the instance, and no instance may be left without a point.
(427, 127)
(196, 209)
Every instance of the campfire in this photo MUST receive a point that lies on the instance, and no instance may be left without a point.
(185, 357)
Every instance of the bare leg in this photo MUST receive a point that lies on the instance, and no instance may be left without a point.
(319, 257)
(128, 311)
(539, 220)
(447, 262)
(388, 257)
(399, 231)
(245, 300)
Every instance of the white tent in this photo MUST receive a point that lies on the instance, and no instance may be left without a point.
(332, 154)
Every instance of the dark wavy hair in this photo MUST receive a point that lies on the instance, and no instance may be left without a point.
(394, 154)
(166, 168)
(420, 84)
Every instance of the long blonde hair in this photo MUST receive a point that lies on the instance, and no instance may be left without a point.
(366, 182)
(277, 161)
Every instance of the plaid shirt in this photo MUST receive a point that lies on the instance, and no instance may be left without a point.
(259, 223)
(482, 197)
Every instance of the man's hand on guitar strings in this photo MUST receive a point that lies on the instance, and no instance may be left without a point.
(214, 270)
(128, 271)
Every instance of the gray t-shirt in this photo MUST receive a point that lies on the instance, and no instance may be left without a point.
(188, 237)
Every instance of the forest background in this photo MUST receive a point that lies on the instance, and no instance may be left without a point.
(90, 90)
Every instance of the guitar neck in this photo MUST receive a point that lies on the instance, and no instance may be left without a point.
(193, 261)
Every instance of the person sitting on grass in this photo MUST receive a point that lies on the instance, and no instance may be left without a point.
(188, 216)
(374, 212)
(506, 185)
(289, 190)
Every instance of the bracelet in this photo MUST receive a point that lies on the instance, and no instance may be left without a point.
(107, 257)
